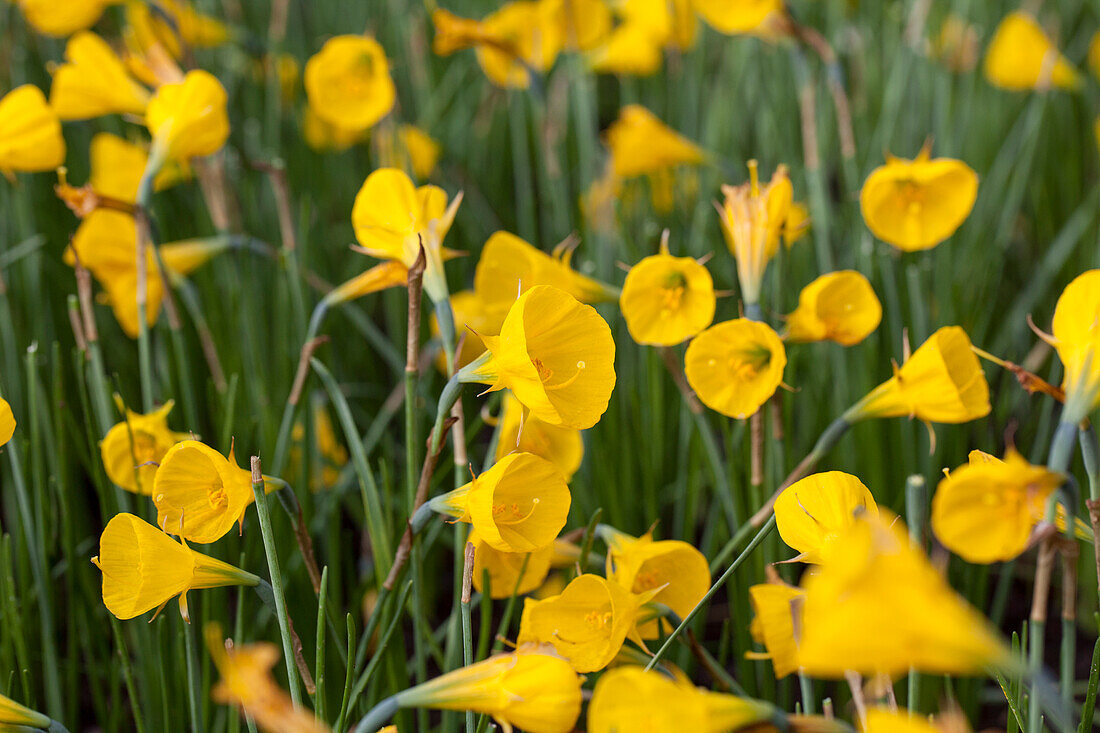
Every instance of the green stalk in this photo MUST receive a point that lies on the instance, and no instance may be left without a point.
(264, 513)
(321, 647)
(192, 678)
(467, 621)
(916, 512)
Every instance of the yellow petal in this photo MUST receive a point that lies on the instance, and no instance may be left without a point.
(30, 133)
(188, 119)
(7, 422)
(735, 366)
(94, 82)
(640, 143)
(838, 306)
(667, 300)
(812, 512)
(1022, 57)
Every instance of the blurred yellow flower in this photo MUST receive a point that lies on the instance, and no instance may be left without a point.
(561, 446)
(518, 39)
(471, 318)
(676, 570)
(753, 218)
(735, 366)
(199, 493)
(777, 609)
(174, 26)
(323, 136)
(1094, 54)
(640, 143)
(94, 82)
(531, 688)
(630, 49)
(956, 45)
(797, 223)
(188, 119)
(877, 606)
(518, 505)
(247, 683)
(393, 218)
(916, 204)
(555, 354)
(348, 82)
(813, 512)
(838, 306)
(628, 698)
(133, 448)
(505, 567)
(882, 720)
(941, 382)
(60, 19)
(415, 150)
(14, 714)
(1021, 56)
(584, 23)
(143, 568)
(7, 422)
(117, 167)
(985, 510)
(587, 624)
(667, 300)
(756, 17)
(1076, 337)
(30, 132)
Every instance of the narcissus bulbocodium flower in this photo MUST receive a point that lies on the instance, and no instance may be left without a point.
(877, 606)
(106, 244)
(94, 82)
(941, 382)
(678, 572)
(776, 623)
(247, 683)
(532, 689)
(557, 356)
(409, 148)
(505, 567)
(588, 623)
(348, 82)
(985, 511)
(753, 217)
(640, 144)
(199, 493)
(628, 698)
(133, 448)
(735, 366)
(30, 133)
(813, 512)
(755, 17)
(1022, 57)
(517, 40)
(1076, 337)
(188, 119)
(838, 306)
(518, 505)
(393, 218)
(561, 446)
(7, 422)
(118, 165)
(881, 720)
(916, 204)
(509, 266)
(176, 24)
(12, 713)
(667, 300)
(646, 27)
(60, 19)
(143, 568)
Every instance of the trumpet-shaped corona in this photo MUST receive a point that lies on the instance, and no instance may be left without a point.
(735, 366)
(94, 82)
(811, 513)
(30, 132)
(133, 448)
(561, 446)
(14, 714)
(839, 306)
(667, 300)
(348, 83)
(188, 119)
(7, 422)
(1076, 337)
(60, 19)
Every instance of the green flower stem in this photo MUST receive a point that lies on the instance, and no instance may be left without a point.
(383, 642)
(321, 647)
(378, 716)
(916, 513)
(286, 423)
(192, 678)
(264, 513)
(718, 584)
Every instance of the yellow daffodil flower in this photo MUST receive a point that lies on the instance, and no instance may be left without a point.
(557, 356)
(985, 511)
(640, 143)
(60, 19)
(174, 26)
(30, 132)
(884, 720)
(916, 204)
(753, 218)
(631, 49)
(348, 82)
(393, 218)
(667, 300)
(778, 613)
(412, 149)
(584, 23)
(14, 714)
(561, 446)
(941, 382)
(838, 306)
(7, 422)
(676, 570)
(133, 448)
(587, 624)
(471, 318)
(322, 136)
(755, 17)
(877, 606)
(518, 505)
(811, 513)
(1076, 337)
(143, 568)
(505, 567)
(797, 223)
(247, 683)
(188, 119)
(735, 366)
(1022, 57)
(117, 167)
(199, 493)
(531, 688)
(94, 82)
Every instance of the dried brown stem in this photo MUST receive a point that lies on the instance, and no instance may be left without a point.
(303, 368)
(1094, 517)
(1041, 595)
(468, 573)
(756, 456)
